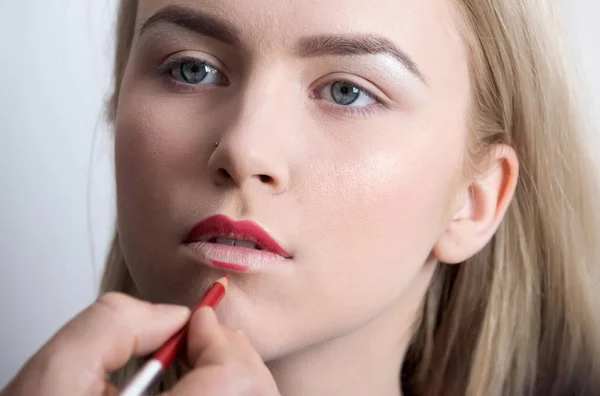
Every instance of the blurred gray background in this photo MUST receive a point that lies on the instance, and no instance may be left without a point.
(57, 193)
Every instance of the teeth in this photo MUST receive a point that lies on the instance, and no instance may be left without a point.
(226, 241)
(245, 244)
(234, 242)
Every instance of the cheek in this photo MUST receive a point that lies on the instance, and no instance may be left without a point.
(373, 220)
(161, 148)
(158, 160)
(392, 205)
(142, 151)
(155, 137)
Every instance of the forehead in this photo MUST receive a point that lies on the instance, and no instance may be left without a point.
(322, 15)
(414, 25)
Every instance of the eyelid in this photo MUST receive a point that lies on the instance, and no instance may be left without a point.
(364, 85)
(170, 64)
(379, 99)
(195, 56)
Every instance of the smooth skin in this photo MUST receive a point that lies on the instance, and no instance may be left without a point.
(367, 195)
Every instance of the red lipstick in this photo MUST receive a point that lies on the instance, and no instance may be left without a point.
(234, 245)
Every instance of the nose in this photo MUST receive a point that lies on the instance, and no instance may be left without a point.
(251, 152)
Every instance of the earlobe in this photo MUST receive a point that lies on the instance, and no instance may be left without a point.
(486, 200)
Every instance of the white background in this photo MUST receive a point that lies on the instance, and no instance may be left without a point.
(57, 193)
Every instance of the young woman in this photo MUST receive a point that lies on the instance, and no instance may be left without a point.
(399, 190)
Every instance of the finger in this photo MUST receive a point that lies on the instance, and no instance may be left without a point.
(241, 373)
(209, 381)
(207, 342)
(112, 330)
(111, 390)
(241, 347)
(224, 361)
(211, 343)
(99, 340)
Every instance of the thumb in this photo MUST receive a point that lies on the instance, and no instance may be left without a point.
(99, 340)
(117, 327)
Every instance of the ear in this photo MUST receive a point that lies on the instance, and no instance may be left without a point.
(482, 207)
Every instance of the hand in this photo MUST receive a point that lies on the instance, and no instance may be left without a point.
(116, 328)
(98, 341)
(224, 363)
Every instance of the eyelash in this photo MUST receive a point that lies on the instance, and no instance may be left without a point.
(353, 111)
(166, 69)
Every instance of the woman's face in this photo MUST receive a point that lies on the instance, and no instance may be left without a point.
(341, 128)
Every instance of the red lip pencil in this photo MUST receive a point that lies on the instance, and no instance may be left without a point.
(163, 358)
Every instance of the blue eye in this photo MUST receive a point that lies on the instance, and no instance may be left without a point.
(196, 72)
(191, 71)
(346, 94)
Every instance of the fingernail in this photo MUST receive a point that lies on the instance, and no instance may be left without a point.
(178, 311)
(207, 316)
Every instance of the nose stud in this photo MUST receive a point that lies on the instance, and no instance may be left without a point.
(217, 144)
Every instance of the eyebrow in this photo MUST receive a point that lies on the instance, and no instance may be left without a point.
(196, 21)
(318, 45)
(356, 44)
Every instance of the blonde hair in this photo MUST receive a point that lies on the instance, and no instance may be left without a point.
(521, 316)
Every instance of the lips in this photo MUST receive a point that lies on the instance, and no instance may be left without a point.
(222, 231)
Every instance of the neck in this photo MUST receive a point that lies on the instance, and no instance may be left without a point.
(366, 361)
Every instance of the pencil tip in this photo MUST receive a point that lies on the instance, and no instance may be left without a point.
(223, 281)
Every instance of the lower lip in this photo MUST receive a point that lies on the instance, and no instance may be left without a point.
(234, 258)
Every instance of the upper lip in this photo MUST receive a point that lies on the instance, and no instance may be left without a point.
(221, 226)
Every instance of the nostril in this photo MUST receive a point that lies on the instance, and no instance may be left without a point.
(266, 179)
(224, 174)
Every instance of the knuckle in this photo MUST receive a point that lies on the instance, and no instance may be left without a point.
(239, 336)
(234, 378)
(239, 339)
(245, 380)
(115, 305)
(233, 370)
(113, 301)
